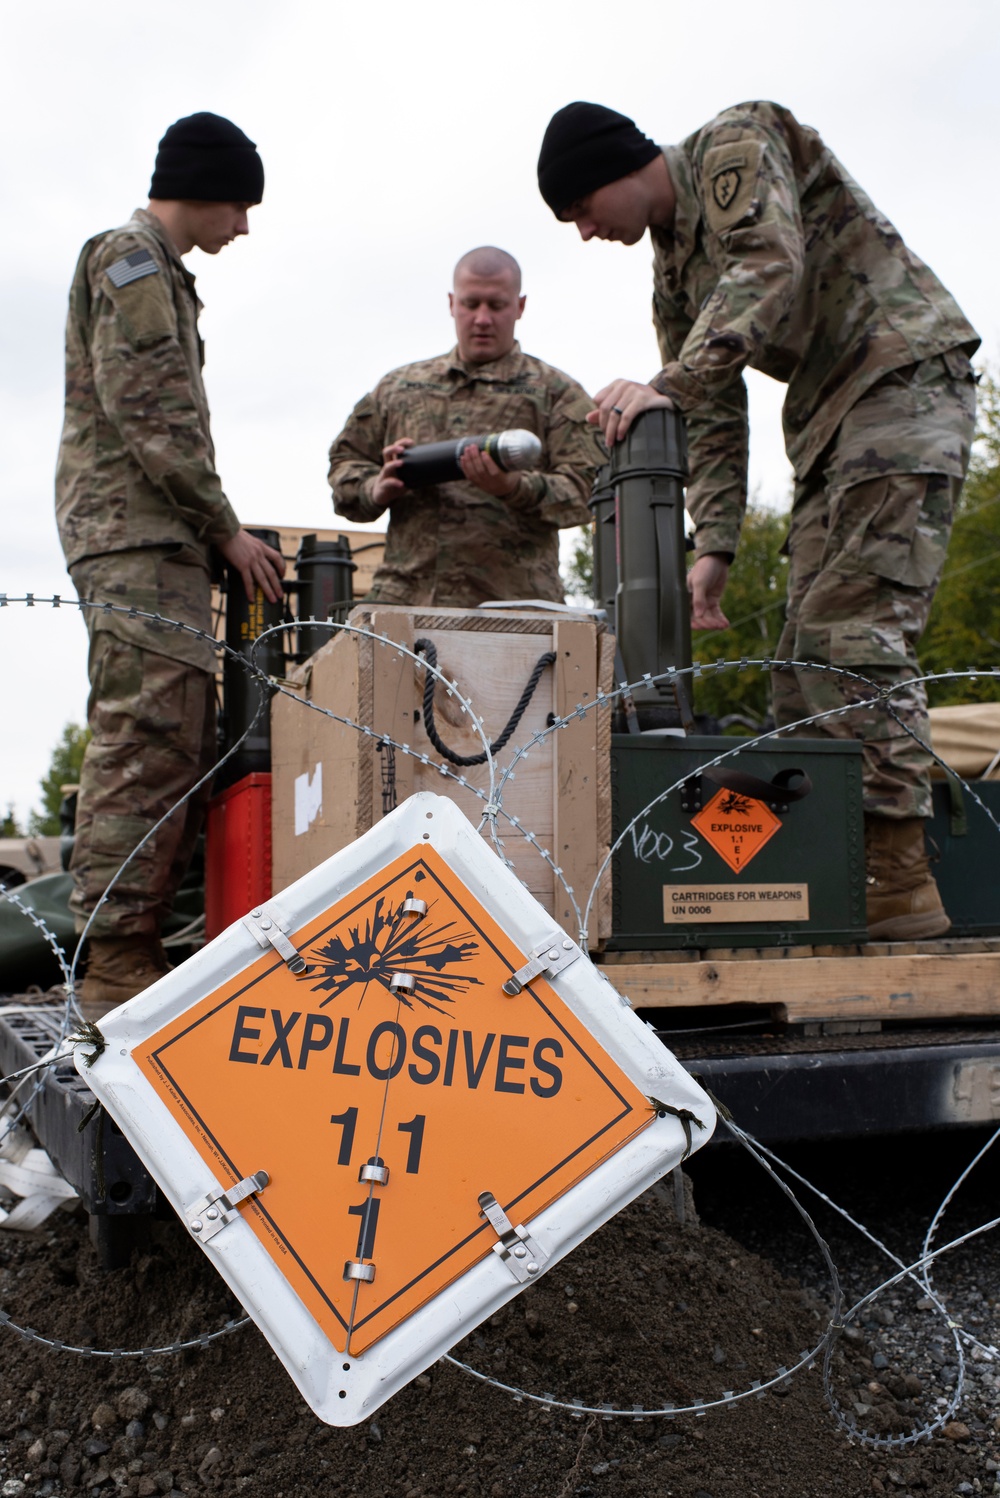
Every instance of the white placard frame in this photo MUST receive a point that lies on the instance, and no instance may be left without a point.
(344, 1390)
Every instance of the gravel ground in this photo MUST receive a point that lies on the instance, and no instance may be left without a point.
(893, 1187)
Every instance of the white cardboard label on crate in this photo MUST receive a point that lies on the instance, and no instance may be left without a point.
(396, 1051)
(308, 799)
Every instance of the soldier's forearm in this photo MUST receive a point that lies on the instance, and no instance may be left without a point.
(718, 449)
(200, 501)
(559, 498)
(352, 494)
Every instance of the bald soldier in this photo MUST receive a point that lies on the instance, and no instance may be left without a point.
(140, 507)
(491, 535)
(768, 254)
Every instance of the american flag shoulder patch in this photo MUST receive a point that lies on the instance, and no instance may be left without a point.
(132, 267)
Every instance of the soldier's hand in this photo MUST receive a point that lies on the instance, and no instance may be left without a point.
(706, 584)
(480, 469)
(389, 486)
(619, 403)
(258, 564)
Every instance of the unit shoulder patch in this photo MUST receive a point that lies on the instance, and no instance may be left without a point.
(132, 267)
(731, 174)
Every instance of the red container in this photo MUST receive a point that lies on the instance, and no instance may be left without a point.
(237, 852)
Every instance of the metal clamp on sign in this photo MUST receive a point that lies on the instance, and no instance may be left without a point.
(215, 1211)
(518, 1250)
(548, 958)
(267, 926)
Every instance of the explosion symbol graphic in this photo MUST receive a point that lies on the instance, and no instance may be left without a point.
(735, 805)
(389, 944)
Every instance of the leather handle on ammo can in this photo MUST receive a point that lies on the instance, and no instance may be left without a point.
(778, 789)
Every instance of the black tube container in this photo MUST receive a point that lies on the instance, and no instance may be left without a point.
(325, 588)
(246, 620)
(647, 470)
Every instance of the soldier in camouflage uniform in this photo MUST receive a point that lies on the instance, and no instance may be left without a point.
(493, 535)
(768, 254)
(139, 506)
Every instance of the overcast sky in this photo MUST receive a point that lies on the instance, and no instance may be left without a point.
(395, 137)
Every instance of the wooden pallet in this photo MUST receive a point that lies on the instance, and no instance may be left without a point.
(943, 980)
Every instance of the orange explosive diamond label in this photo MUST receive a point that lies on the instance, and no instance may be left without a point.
(381, 1109)
(736, 826)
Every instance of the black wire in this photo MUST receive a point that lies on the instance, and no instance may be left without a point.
(427, 648)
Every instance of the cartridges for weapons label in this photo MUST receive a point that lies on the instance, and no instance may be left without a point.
(684, 903)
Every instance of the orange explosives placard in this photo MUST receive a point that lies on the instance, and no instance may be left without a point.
(736, 826)
(447, 1083)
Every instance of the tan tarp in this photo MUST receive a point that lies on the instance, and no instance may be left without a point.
(968, 739)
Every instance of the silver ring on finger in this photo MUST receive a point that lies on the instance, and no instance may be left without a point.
(618, 410)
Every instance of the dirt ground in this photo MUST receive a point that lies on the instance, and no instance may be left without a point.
(647, 1311)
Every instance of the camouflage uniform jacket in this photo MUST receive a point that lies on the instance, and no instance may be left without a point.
(452, 544)
(136, 464)
(777, 259)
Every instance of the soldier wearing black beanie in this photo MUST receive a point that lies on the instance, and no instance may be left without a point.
(141, 513)
(205, 158)
(768, 255)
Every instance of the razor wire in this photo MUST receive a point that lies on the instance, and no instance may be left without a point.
(493, 809)
(913, 1272)
(493, 797)
(728, 1399)
(53, 1344)
(825, 1347)
(758, 1388)
(986, 1348)
(9, 1120)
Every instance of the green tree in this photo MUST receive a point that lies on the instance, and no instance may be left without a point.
(64, 769)
(754, 602)
(578, 576)
(964, 627)
(9, 824)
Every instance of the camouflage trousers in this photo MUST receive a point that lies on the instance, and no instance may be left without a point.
(867, 544)
(152, 719)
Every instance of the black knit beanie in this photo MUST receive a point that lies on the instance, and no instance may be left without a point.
(208, 159)
(585, 147)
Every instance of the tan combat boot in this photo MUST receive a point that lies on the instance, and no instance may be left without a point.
(118, 967)
(903, 902)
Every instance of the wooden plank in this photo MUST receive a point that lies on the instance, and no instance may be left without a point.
(924, 986)
(936, 948)
(574, 787)
(394, 701)
(666, 956)
(606, 683)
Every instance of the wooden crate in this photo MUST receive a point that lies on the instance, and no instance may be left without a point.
(331, 783)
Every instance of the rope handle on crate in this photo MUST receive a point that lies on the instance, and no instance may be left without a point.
(427, 648)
